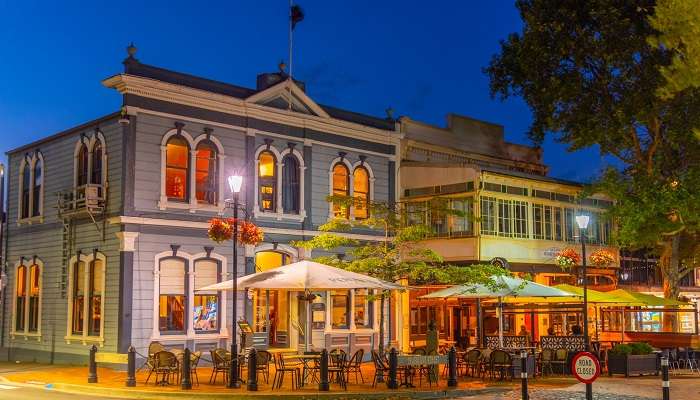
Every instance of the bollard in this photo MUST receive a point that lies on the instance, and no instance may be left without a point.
(92, 366)
(186, 374)
(131, 367)
(323, 379)
(452, 367)
(665, 384)
(253, 370)
(393, 366)
(523, 374)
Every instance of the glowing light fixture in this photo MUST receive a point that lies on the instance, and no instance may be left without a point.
(235, 182)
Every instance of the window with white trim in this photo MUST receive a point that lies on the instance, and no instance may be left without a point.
(341, 187)
(267, 181)
(25, 199)
(206, 304)
(361, 192)
(291, 184)
(86, 296)
(27, 312)
(31, 187)
(206, 172)
(177, 166)
(172, 301)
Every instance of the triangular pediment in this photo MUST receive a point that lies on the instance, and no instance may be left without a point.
(286, 95)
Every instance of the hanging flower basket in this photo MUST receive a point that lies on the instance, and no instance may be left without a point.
(602, 258)
(567, 258)
(221, 230)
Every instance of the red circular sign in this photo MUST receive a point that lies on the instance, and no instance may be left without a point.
(585, 367)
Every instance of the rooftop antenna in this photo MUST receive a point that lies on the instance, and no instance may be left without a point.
(296, 15)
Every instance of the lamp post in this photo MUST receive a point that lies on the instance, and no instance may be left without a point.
(582, 222)
(234, 182)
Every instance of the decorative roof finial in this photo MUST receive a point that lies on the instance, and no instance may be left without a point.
(389, 113)
(131, 50)
(282, 66)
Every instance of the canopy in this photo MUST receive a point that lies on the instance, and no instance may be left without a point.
(305, 275)
(505, 286)
(603, 298)
(647, 299)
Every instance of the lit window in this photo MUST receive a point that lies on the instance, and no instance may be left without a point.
(341, 187)
(86, 297)
(177, 155)
(26, 190)
(206, 172)
(21, 298)
(97, 163)
(488, 216)
(267, 181)
(290, 184)
(361, 193)
(171, 306)
(27, 298)
(34, 292)
(78, 297)
(82, 172)
(205, 307)
(95, 279)
(36, 189)
(340, 309)
(363, 309)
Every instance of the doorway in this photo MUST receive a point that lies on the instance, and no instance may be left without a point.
(271, 307)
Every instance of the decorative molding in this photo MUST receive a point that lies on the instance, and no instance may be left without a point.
(127, 240)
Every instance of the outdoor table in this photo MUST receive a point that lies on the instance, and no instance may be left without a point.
(308, 370)
(410, 361)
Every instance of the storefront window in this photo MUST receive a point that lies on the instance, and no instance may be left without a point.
(363, 309)
(171, 305)
(421, 317)
(340, 309)
(205, 307)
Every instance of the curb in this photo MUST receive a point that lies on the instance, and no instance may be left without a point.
(142, 394)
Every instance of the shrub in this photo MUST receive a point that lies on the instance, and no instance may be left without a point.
(622, 349)
(639, 348)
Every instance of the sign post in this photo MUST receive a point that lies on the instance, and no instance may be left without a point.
(586, 369)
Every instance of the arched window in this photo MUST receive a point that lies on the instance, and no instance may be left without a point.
(267, 181)
(206, 172)
(86, 299)
(36, 189)
(290, 184)
(78, 298)
(206, 304)
(26, 190)
(95, 281)
(82, 172)
(34, 293)
(172, 301)
(96, 176)
(341, 187)
(360, 191)
(177, 160)
(21, 297)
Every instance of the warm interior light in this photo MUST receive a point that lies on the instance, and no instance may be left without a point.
(235, 182)
(582, 221)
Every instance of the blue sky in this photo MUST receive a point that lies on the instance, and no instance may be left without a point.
(424, 59)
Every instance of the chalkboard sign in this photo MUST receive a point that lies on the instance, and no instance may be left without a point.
(245, 327)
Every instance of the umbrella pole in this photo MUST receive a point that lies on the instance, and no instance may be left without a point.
(622, 339)
(307, 336)
(500, 322)
(270, 339)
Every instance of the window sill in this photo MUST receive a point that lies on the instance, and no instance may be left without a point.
(280, 216)
(204, 336)
(85, 339)
(193, 208)
(26, 336)
(39, 219)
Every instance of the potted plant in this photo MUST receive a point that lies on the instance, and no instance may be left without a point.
(633, 359)
(567, 258)
(602, 258)
(221, 230)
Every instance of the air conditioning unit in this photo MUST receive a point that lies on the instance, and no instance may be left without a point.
(92, 196)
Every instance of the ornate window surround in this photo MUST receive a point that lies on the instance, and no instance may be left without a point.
(279, 213)
(351, 171)
(85, 338)
(25, 333)
(190, 259)
(90, 141)
(192, 204)
(31, 161)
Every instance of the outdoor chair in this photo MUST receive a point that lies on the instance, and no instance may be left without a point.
(471, 362)
(220, 364)
(166, 366)
(501, 362)
(381, 371)
(355, 365)
(339, 370)
(485, 362)
(281, 369)
(153, 348)
(335, 355)
(194, 361)
(686, 359)
(560, 356)
(546, 358)
(262, 362)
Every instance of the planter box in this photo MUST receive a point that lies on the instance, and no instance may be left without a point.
(633, 364)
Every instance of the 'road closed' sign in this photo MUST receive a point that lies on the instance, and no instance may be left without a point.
(585, 367)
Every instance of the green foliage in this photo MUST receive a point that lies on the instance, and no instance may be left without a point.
(636, 348)
(622, 349)
(591, 72)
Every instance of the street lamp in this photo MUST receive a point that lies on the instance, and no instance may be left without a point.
(582, 222)
(235, 182)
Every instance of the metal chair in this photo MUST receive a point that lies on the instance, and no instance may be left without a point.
(166, 366)
(381, 371)
(355, 365)
(339, 370)
(194, 361)
(220, 364)
(471, 362)
(546, 358)
(262, 362)
(560, 356)
(281, 369)
(153, 348)
(501, 361)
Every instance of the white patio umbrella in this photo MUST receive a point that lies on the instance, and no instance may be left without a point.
(302, 276)
(504, 287)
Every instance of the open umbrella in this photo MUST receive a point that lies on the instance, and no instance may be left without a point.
(504, 287)
(302, 276)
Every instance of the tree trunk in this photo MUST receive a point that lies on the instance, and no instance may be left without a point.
(670, 269)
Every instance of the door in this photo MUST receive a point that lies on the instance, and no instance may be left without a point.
(271, 307)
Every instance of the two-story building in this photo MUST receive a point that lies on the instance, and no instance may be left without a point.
(107, 221)
(510, 213)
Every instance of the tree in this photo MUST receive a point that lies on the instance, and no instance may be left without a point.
(399, 254)
(591, 74)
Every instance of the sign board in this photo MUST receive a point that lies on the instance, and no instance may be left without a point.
(585, 367)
